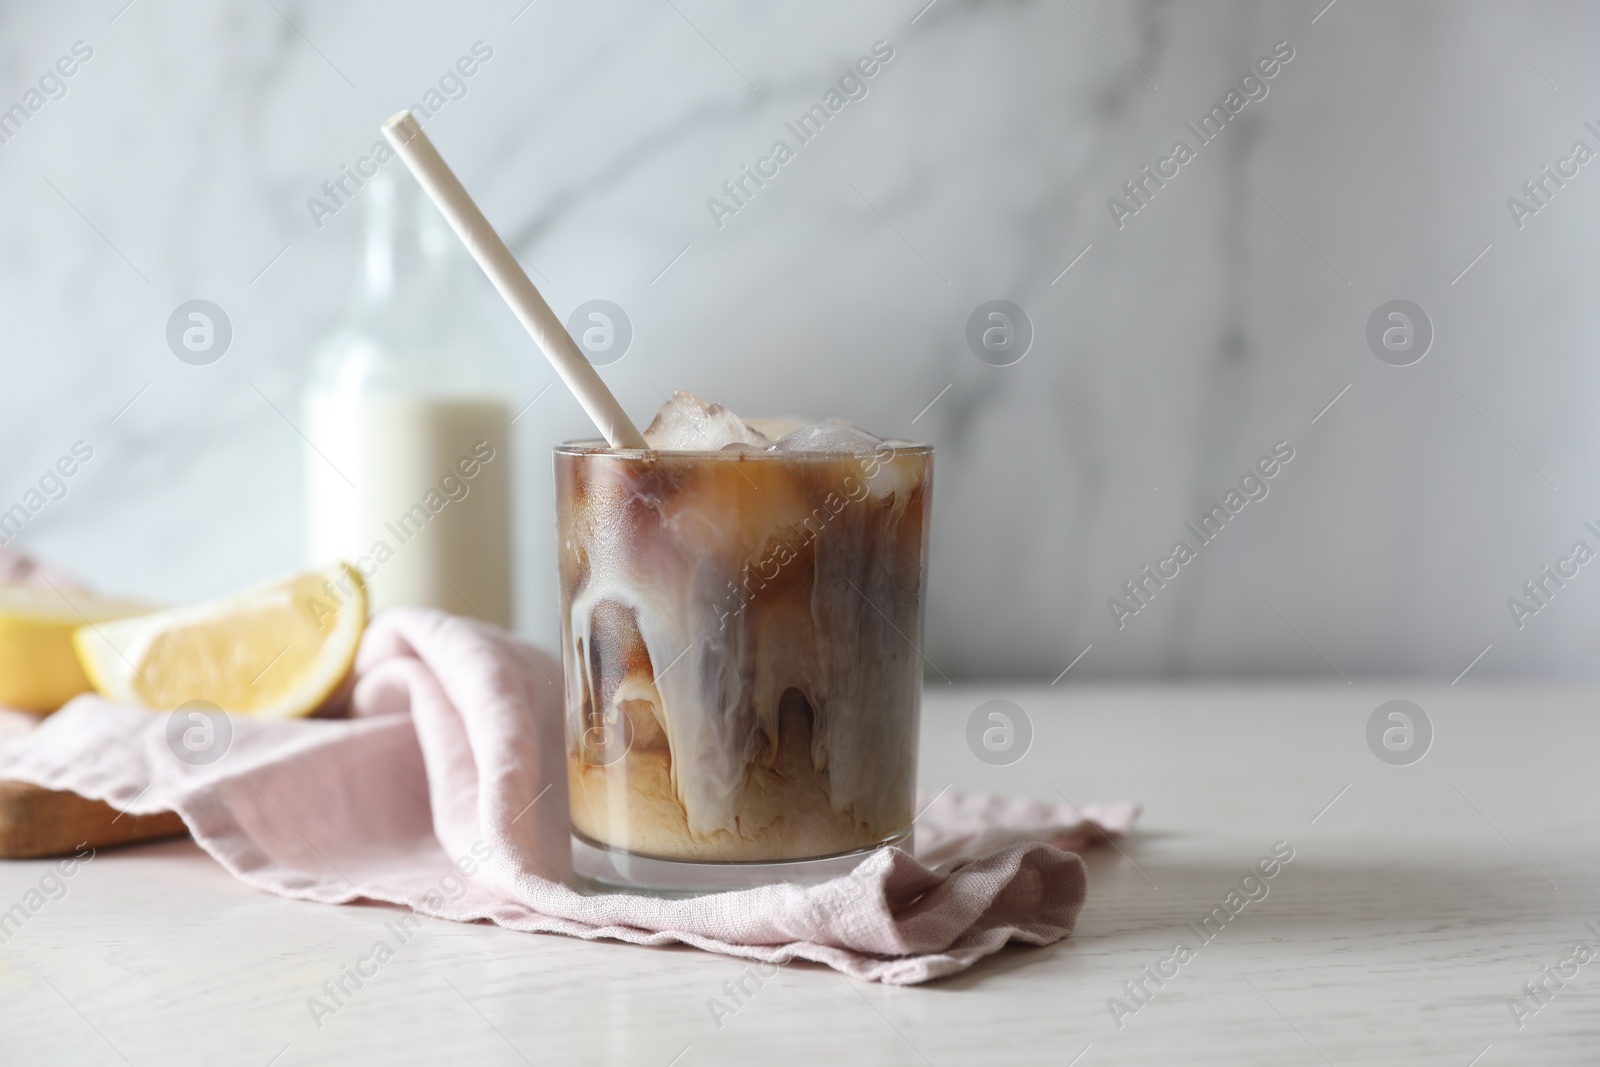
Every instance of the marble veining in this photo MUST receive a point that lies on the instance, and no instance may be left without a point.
(1220, 320)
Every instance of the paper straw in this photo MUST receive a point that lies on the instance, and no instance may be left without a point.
(442, 186)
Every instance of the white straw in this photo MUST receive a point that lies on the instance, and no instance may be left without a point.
(495, 258)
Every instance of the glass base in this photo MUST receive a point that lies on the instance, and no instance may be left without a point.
(598, 869)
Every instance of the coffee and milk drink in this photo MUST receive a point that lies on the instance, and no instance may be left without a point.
(741, 619)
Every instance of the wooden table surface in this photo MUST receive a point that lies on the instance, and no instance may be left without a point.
(1419, 901)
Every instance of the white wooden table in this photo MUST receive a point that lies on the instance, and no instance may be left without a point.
(1415, 908)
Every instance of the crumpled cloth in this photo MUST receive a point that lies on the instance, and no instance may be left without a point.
(444, 790)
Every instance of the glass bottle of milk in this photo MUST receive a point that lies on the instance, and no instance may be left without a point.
(408, 415)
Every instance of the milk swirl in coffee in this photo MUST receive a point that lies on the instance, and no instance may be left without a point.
(741, 617)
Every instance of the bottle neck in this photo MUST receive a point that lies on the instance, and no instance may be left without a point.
(414, 322)
(406, 244)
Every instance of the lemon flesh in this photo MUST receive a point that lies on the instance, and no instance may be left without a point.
(39, 670)
(276, 650)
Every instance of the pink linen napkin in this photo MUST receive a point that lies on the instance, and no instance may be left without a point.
(445, 792)
(17, 569)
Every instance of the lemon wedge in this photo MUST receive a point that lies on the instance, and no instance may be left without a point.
(275, 650)
(39, 671)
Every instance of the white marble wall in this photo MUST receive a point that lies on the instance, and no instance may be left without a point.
(1221, 319)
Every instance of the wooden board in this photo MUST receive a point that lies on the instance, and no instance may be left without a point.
(41, 822)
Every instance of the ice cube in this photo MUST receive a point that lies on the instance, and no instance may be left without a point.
(827, 437)
(686, 423)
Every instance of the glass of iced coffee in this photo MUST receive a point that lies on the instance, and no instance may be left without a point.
(741, 619)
